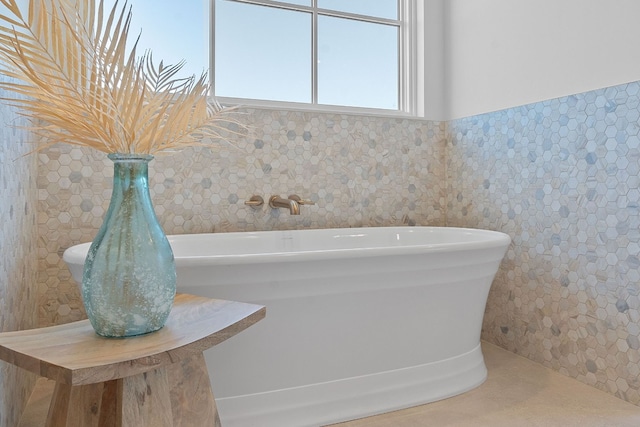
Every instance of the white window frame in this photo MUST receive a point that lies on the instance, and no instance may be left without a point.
(411, 60)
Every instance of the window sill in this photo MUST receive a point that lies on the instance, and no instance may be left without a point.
(309, 108)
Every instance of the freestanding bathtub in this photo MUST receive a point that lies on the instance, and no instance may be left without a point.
(360, 321)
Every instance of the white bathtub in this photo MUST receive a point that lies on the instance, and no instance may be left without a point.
(360, 321)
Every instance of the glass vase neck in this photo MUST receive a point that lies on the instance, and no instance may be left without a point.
(130, 157)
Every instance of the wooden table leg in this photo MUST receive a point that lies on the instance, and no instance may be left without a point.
(178, 395)
(143, 400)
(138, 401)
(73, 406)
(192, 400)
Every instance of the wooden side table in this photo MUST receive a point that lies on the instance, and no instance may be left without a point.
(159, 379)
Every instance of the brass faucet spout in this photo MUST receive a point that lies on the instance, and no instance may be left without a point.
(279, 202)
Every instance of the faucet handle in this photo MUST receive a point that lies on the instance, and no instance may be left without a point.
(254, 201)
(301, 201)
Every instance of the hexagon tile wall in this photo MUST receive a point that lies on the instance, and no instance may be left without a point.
(18, 240)
(561, 177)
(359, 170)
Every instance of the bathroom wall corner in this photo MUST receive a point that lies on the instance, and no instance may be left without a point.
(561, 178)
(18, 254)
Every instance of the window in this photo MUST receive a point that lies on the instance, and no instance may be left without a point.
(290, 53)
(319, 52)
(172, 30)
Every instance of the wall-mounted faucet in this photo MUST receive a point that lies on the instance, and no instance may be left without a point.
(278, 202)
(292, 203)
(255, 202)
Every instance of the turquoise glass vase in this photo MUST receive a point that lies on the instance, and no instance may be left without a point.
(129, 279)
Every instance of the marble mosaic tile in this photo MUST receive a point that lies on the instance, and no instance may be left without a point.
(359, 171)
(18, 262)
(561, 178)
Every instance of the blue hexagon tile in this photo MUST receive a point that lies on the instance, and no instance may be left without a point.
(562, 178)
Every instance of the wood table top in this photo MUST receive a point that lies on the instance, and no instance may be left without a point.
(74, 354)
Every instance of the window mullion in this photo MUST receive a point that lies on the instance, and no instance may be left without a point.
(277, 4)
(358, 17)
(403, 101)
(212, 47)
(314, 53)
(407, 49)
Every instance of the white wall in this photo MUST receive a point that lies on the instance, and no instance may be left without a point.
(505, 53)
(431, 66)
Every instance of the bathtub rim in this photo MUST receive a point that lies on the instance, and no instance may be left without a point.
(490, 239)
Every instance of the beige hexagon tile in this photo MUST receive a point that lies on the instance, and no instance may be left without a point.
(560, 177)
(18, 251)
(358, 170)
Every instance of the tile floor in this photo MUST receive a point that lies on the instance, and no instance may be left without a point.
(517, 393)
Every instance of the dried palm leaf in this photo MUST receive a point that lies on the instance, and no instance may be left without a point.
(78, 84)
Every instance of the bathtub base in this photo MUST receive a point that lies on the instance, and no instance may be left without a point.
(347, 399)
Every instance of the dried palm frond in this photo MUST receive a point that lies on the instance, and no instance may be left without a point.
(80, 85)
